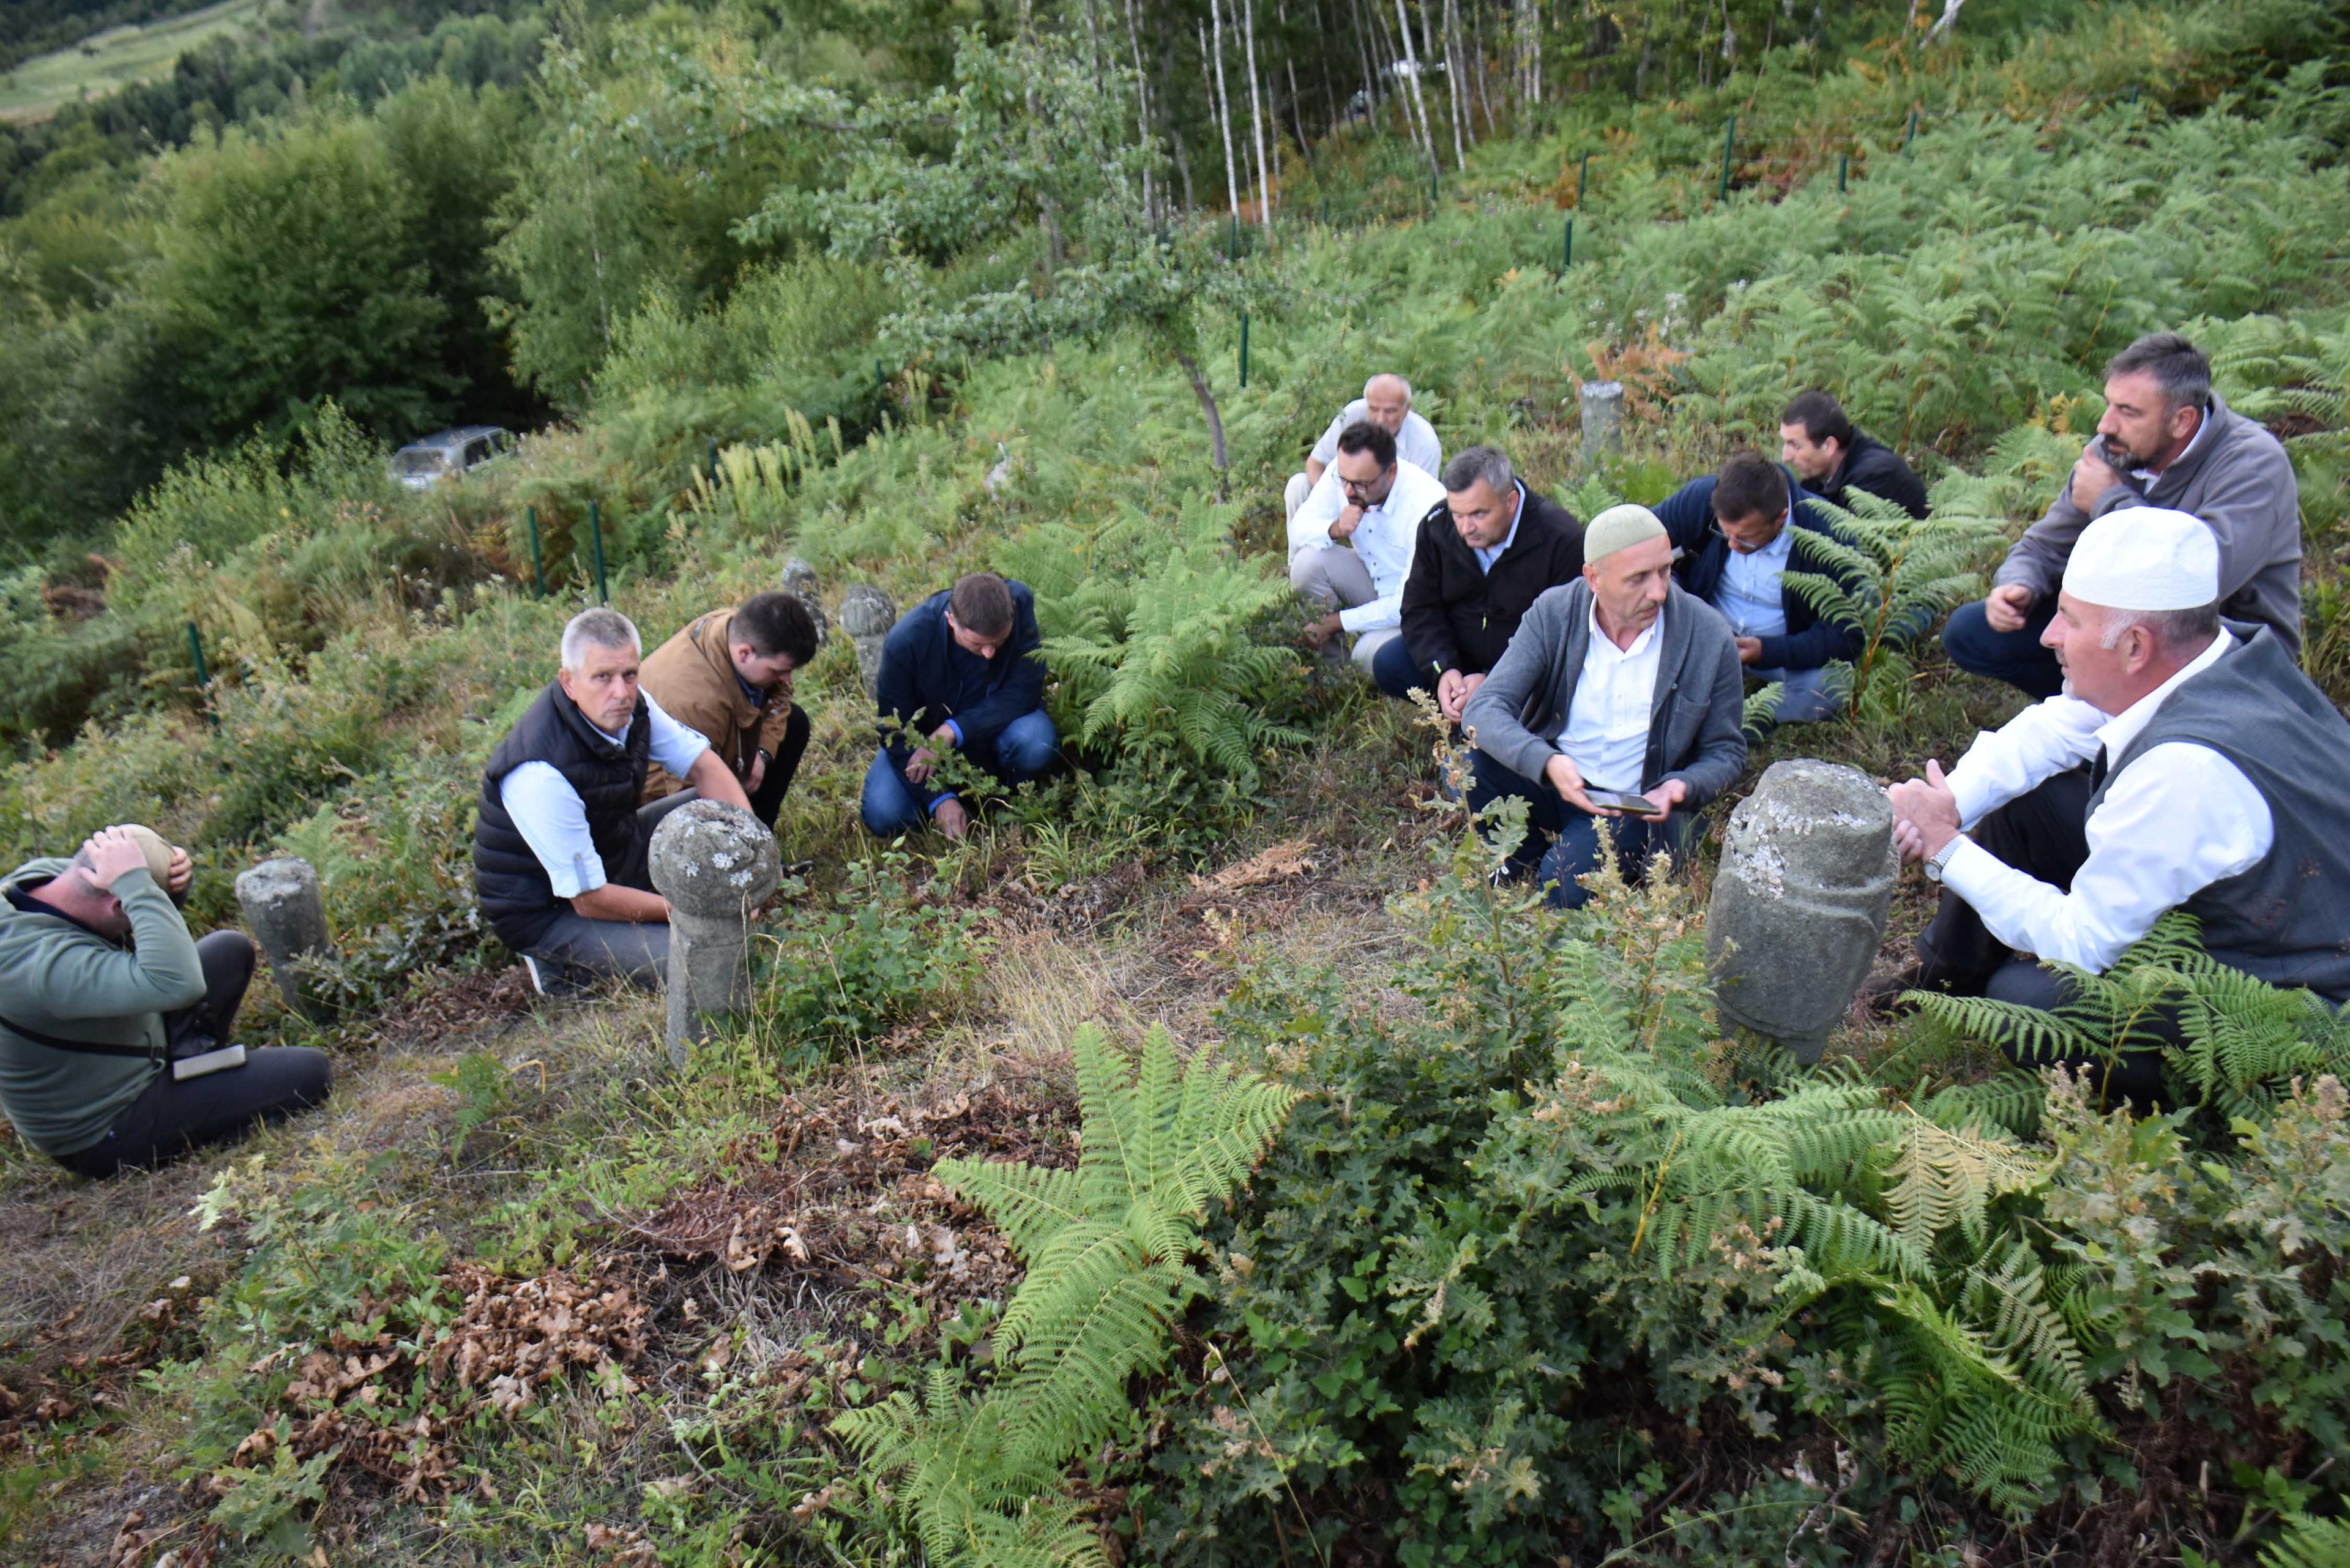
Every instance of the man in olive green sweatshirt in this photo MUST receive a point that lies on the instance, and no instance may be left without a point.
(101, 988)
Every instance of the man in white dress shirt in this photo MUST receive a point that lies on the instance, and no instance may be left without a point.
(1387, 403)
(2217, 781)
(1350, 546)
(560, 862)
(1623, 681)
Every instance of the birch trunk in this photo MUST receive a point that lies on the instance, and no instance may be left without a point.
(1256, 118)
(1141, 106)
(1414, 96)
(1224, 106)
(1453, 72)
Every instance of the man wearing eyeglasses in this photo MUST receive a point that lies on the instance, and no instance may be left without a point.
(1350, 546)
(1740, 530)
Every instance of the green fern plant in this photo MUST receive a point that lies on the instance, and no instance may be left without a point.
(1108, 1249)
(1885, 582)
(2230, 1041)
(2309, 1543)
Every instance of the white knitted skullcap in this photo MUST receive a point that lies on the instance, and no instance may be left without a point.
(2145, 558)
(1617, 528)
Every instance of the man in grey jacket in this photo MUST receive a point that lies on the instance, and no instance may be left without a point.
(1620, 683)
(2165, 440)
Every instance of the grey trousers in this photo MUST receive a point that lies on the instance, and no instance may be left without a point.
(579, 948)
(1333, 577)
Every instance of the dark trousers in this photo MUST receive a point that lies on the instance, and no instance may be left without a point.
(2014, 656)
(1395, 674)
(767, 799)
(2043, 835)
(1563, 842)
(172, 1116)
(581, 951)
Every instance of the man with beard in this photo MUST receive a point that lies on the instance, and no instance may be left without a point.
(2165, 440)
(1350, 546)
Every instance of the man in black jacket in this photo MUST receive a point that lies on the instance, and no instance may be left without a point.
(1480, 561)
(1816, 439)
(1739, 532)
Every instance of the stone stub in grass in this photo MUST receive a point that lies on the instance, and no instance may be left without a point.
(715, 864)
(799, 581)
(1602, 418)
(1800, 901)
(282, 904)
(866, 614)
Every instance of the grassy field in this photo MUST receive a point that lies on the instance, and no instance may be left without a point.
(116, 58)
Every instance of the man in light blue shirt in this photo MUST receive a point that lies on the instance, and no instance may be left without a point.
(559, 860)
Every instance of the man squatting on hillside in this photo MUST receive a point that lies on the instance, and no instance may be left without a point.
(2166, 439)
(1739, 531)
(2218, 782)
(1480, 562)
(728, 678)
(1387, 403)
(1350, 546)
(559, 848)
(1623, 681)
(1816, 439)
(963, 671)
(102, 989)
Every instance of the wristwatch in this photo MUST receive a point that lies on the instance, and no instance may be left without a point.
(1935, 862)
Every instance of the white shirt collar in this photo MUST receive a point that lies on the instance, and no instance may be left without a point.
(1600, 638)
(2117, 733)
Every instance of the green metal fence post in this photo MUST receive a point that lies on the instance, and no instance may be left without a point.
(1911, 134)
(595, 533)
(196, 646)
(1244, 350)
(1232, 245)
(1434, 196)
(1844, 165)
(1581, 181)
(1729, 138)
(713, 463)
(1566, 246)
(537, 563)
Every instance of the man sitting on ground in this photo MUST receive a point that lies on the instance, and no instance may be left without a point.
(1350, 546)
(1816, 439)
(728, 677)
(2218, 782)
(1481, 560)
(559, 861)
(2165, 440)
(1620, 682)
(1733, 529)
(90, 1024)
(1387, 403)
(963, 671)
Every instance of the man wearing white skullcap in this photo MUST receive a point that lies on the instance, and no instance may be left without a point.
(1623, 683)
(2216, 781)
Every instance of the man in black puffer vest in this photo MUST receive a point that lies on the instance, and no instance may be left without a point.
(1480, 562)
(2218, 782)
(559, 849)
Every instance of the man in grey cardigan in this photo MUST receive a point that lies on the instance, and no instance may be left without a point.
(1621, 682)
(2165, 440)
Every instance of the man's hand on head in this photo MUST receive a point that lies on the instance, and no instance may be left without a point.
(2005, 606)
(179, 873)
(113, 854)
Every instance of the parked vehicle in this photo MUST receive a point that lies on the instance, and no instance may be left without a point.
(421, 464)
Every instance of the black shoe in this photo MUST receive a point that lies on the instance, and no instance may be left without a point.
(1880, 996)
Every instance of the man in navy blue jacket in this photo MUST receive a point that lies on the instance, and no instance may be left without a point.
(964, 669)
(1732, 528)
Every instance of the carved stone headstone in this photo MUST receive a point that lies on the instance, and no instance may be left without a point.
(1602, 418)
(799, 581)
(715, 864)
(281, 902)
(1800, 902)
(866, 614)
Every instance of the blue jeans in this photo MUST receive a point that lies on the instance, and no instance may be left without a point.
(1804, 696)
(1572, 837)
(2014, 656)
(1023, 750)
(1392, 669)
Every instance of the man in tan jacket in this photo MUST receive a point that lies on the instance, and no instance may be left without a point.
(729, 676)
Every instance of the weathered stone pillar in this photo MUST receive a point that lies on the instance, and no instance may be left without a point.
(715, 864)
(799, 581)
(281, 902)
(1800, 902)
(866, 614)
(1602, 418)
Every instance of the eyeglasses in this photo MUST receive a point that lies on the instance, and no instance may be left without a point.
(1353, 487)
